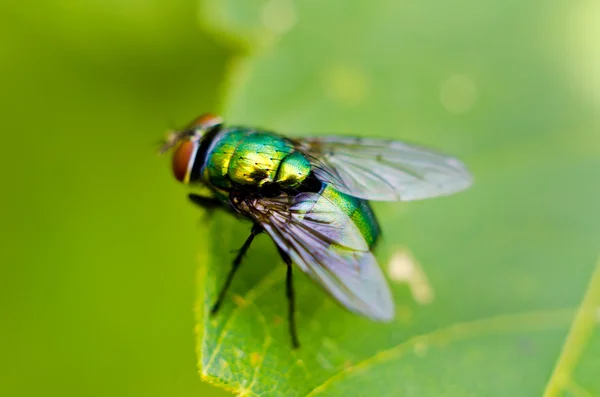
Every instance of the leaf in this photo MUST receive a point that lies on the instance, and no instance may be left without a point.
(487, 282)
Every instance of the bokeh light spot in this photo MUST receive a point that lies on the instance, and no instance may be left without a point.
(403, 268)
(420, 348)
(458, 93)
(279, 16)
(584, 32)
(346, 84)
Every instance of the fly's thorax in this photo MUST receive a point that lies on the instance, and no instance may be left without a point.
(250, 158)
(293, 170)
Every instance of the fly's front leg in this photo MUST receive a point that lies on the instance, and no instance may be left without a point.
(289, 289)
(208, 203)
(205, 202)
(256, 229)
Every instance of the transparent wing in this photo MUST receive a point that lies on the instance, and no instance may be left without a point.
(384, 170)
(326, 244)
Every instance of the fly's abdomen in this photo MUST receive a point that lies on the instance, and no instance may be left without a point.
(249, 158)
(358, 210)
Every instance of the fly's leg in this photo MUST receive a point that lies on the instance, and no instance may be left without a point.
(256, 229)
(289, 289)
(208, 203)
(205, 202)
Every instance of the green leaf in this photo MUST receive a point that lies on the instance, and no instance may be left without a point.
(487, 282)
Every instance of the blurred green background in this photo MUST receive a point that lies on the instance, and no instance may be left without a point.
(98, 243)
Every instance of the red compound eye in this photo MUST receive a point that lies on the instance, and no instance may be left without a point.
(206, 121)
(181, 159)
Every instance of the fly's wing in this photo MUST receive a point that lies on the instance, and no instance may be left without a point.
(326, 244)
(384, 170)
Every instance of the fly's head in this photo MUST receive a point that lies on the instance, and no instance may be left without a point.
(186, 143)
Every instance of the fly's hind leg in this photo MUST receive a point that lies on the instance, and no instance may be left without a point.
(289, 289)
(256, 229)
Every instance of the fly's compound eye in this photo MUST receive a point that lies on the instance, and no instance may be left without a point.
(183, 160)
(206, 122)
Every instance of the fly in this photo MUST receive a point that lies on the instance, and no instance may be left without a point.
(310, 195)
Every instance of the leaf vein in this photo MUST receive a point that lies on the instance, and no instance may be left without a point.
(265, 347)
(578, 337)
(460, 331)
(255, 292)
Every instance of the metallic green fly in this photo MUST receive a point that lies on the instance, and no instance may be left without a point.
(310, 196)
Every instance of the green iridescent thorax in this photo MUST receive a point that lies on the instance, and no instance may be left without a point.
(358, 210)
(245, 157)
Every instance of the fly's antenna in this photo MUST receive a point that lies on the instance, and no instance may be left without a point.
(173, 137)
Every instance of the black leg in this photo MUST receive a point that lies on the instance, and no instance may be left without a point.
(256, 229)
(205, 202)
(289, 289)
